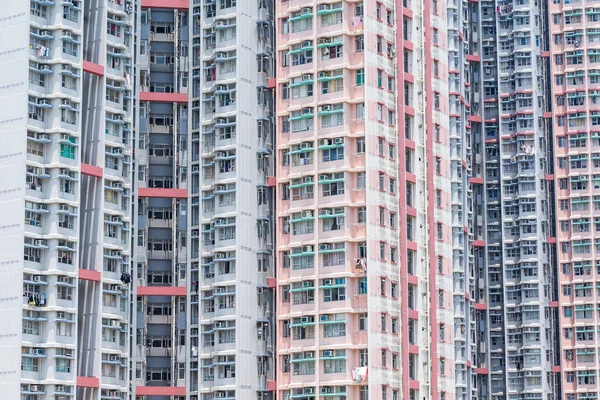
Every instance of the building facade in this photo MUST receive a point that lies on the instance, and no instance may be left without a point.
(573, 77)
(67, 112)
(298, 198)
(364, 279)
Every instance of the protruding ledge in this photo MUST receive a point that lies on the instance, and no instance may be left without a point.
(91, 170)
(89, 275)
(160, 390)
(173, 4)
(163, 193)
(164, 97)
(161, 291)
(88, 382)
(93, 68)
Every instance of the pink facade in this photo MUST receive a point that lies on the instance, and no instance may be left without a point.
(359, 292)
(575, 85)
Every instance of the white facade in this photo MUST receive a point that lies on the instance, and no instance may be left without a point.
(42, 187)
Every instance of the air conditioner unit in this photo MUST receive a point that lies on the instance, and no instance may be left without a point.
(323, 177)
(327, 282)
(68, 34)
(219, 255)
(38, 278)
(221, 154)
(326, 108)
(117, 184)
(42, 207)
(44, 102)
(38, 351)
(64, 279)
(114, 358)
(219, 221)
(309, 390)
(65, 171)
(221, 55)
(221, 121)
(323, 74)
(116, 218)
(325, 211)
(324, 247)
(220, 324)
(36, 388)
(305, 145)
(328, 353)
(65, 136)
(307, 249)
(220, 23)
(45, 33)
(339, 140)
(221, 187)
(45, 67)
(221, 87)
(59, 388)
(303, 319)
(324, 40)
(307, 284)
(306, 10)
(115, 288)
(308, 179)
(63, 207)
(115, 253)
(220, 394)
(323, 7)
(308, 213)
(324, 142)
(325, 317)
(40, 242)
(306, 77)
(307, 110)
(66, 102)
(117, 150)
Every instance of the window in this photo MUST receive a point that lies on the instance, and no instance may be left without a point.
(335, 293)
(360, 77)
(362, 322)
(360, 145)
(362, 215)
(359, 44)
(67, 149)
(360, 111)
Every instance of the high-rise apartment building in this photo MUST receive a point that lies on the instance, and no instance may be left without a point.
(205, 210)
(229, 199)
(67, 109)
(365, 286)
(574, 79)
(513, 270)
